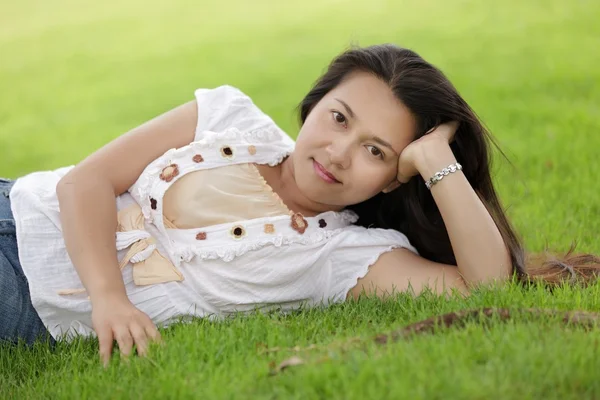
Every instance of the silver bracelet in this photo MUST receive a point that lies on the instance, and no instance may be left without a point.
(438, 176)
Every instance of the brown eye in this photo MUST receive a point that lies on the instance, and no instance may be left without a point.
(375, 151)
(339, 117)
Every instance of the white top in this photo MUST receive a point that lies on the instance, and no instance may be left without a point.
(274, 262)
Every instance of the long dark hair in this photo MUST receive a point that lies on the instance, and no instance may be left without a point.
(410, 209)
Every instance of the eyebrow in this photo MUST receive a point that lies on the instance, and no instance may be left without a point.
(373, 137)
(383, 143)
(348, 109)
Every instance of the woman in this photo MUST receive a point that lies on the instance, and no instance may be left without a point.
(218, 211)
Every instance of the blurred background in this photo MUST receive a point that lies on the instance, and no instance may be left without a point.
(76, 74)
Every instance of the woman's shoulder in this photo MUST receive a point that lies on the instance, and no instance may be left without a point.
(226, 107)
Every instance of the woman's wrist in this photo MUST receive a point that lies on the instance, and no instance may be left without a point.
(435, 157)
(108, 292)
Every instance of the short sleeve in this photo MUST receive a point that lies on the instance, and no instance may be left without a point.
(354, 250)
(226, 107)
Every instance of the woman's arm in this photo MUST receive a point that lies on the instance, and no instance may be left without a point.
(87, 195)
(480, 252)
(401, 270)
(89, 221)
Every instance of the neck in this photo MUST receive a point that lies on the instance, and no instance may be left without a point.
(291, 195)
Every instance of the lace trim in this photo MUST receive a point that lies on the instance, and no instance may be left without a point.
(262, 135)
(279, 158)
(230, 252)
(352, 281)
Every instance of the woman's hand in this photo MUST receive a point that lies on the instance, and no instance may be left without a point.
(433, 145)
(116, 318)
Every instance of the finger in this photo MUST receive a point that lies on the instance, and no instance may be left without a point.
(140, 338)
(152, 332)
(124, 340)
(405, 172)
(105, 341)
(449, 130)
(402, 178)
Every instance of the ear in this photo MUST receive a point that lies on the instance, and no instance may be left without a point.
(391, 187)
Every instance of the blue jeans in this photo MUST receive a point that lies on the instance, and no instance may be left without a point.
(18, 319)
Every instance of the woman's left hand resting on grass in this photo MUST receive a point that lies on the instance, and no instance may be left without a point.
(115, 318)
(480, 252)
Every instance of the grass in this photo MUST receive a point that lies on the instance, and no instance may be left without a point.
(76, 76)
(525, 358)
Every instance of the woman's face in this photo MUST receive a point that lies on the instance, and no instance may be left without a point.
(347, 150)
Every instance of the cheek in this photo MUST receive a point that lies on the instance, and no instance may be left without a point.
(309, 137)
(304, 135)
(313, 127)
(373, 179)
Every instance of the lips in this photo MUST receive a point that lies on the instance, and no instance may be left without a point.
(324, 174)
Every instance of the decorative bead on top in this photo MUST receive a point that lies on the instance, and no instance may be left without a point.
(299, 224)
(238, 232)
(269, 228)
(169, 172)
(227, 152)
(201, 236)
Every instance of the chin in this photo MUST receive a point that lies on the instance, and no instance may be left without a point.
(327, 199)
(317, 194)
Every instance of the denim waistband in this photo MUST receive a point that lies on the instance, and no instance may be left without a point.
(7, 223)
(5, 186)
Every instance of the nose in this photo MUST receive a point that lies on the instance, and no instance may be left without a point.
(340, 153)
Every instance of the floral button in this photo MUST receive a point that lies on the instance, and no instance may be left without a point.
(238, 232)
(198, 158)
(322, 223)
(201, 236)
(153, 203)
(269, 228)
(252, 150)
(227, 152)
(169, 172)
(299, 224)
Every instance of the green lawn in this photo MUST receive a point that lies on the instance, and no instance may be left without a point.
(75, 76)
